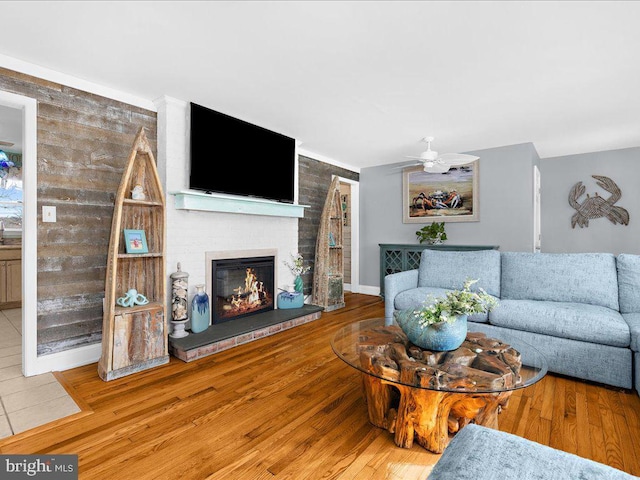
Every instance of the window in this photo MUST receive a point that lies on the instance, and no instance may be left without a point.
(11, 193)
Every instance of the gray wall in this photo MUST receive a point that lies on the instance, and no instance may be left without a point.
(559, 174)
(506, 208)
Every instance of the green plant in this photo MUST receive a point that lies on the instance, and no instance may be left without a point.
(433, 233)
(454, 304)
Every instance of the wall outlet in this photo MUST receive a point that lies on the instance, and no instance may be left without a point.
(48, 214)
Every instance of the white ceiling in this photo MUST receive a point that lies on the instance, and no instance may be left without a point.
(362, 82)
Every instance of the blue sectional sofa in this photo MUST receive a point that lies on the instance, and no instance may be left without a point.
(480, 453)
(580, 310)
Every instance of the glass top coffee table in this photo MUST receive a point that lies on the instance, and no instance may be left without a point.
(423, 395)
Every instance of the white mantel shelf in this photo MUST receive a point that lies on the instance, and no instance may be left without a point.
(212, 202)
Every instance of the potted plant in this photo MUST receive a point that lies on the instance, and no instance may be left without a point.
(432, 234)
(297, 268)
(441, 323)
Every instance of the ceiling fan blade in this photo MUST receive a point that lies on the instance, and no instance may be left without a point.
(415, 158)
(454, 159)
(6, 144)
(405, 165)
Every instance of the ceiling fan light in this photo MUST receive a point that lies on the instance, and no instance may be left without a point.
(429, 155)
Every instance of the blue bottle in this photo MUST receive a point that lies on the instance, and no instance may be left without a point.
(200, 310)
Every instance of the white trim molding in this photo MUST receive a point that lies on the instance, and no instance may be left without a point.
(74, 82)
(322, 158)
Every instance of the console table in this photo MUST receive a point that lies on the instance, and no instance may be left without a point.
(397, 257)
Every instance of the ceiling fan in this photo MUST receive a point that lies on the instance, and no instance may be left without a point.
(434, 163)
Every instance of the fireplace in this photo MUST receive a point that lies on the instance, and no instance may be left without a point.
(241, 286)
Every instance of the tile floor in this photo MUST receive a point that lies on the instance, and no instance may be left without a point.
(26, 402)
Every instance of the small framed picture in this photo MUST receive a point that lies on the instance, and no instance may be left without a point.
(135, 241)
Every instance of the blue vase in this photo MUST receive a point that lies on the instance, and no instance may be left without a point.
(298, 284)
(438, 337)
(290, 300)
(200, 310)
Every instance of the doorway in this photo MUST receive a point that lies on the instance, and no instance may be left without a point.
(23, 110)
(349, 199)
(11, 235)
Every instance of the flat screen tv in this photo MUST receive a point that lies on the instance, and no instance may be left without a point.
(235, 157)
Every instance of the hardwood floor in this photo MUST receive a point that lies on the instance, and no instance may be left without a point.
(285, 407)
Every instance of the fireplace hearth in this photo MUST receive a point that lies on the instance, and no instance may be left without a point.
(226, 335)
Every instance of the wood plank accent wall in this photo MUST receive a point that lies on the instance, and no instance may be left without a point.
(83, 146)
(314, 179)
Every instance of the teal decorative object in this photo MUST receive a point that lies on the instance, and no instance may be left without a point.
(131, 298)
(298, 284)
(200, 310)
(439, 337)
(290, 300)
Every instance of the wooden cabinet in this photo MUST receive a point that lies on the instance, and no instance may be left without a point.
(135, 338)
(10, 277)
(328, 273)
(396, 258)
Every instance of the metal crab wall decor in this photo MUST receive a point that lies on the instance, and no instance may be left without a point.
(597, 206)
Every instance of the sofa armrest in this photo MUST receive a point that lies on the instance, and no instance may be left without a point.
(395, 283)
(633, 320)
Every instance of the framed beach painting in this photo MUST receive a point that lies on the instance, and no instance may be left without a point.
(440, 197)
(135, 241)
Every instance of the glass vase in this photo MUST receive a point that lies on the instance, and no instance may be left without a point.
(200, 310)
(298, 284)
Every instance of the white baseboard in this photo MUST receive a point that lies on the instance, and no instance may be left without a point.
(60, 361)
(369, 290)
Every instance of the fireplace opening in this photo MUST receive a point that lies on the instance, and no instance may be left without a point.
(241, 287)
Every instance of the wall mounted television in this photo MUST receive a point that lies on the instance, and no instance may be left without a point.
(235, 157)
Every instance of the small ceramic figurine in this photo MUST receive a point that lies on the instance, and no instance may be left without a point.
(131, 298)
(137, 193)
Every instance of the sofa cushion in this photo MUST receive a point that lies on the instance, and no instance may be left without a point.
(416, 298)
(481, 453)
(560, 277)
(629, 282)
(575, 321)
(449, 270)
(633, 320)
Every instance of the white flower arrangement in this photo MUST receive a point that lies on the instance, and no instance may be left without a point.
(456, 303)
(296, 266)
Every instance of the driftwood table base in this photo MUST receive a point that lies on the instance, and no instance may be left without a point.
(426, 396)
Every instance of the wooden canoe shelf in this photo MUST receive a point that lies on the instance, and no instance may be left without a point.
(328, 270)
(137, 308)
(136, 338)
(139, 255)
(148, 203)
